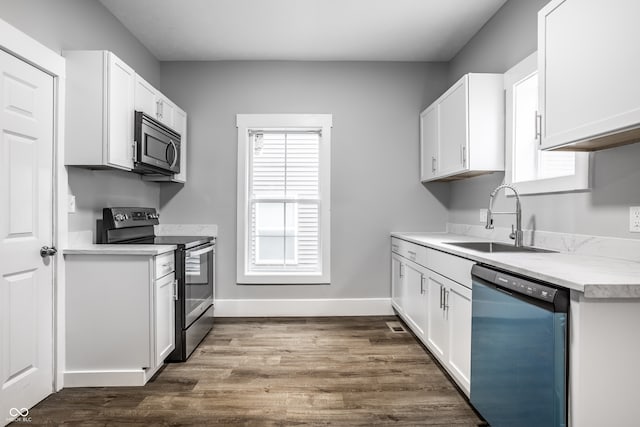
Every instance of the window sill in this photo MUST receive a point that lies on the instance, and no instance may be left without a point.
(564, 184)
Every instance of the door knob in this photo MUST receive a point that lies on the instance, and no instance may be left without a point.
(46, 251)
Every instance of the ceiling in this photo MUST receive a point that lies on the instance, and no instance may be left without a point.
(304, 30)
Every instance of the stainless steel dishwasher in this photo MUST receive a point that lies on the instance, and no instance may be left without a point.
(518, 350)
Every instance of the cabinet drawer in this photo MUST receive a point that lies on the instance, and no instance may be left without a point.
(410, 251)
(454, 267)
(164, 264)
(415, 253)
(397, 245)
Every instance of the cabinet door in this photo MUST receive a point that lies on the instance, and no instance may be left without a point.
(589, 66)
(121, 89)
(457, 303)
(437, 333)
(397, 277)
(416, 298)
(164, 317)
(429, 143)
(166, 111)
(453, 127)
(145, 97)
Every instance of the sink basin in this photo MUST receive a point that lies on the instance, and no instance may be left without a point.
(495, 247)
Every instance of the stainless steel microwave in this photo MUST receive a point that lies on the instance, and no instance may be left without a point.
(157, 147)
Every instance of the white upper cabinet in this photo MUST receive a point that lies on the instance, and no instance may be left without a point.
(152, 102)
(166, 111)
(146, 98)
(100, 96)
(589, 67)
(462, 132)
(429, 143)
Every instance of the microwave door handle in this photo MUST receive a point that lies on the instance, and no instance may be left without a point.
(175, 150)
(201, 251)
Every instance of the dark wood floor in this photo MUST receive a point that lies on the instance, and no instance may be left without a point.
(296, 371)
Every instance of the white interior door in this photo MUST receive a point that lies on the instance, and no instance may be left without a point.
(26, 218)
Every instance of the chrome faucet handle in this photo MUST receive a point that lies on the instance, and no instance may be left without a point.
(512, 236)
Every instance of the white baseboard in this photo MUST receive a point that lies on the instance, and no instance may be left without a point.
(122, 378)
(302, 307)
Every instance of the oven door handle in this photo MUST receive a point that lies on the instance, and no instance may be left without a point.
(201, 251)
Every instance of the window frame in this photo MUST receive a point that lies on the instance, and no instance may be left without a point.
(246, 123)
(579, 181)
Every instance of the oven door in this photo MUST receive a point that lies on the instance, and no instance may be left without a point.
(198, 281)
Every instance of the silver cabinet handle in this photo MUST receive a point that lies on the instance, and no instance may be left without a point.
(413, 254)
(433, 164)
(175, 290)
(446, 300)
(134, 156)
(401, 272)
(441, 289)
(538, 128)
(464, 155)
(422, 284)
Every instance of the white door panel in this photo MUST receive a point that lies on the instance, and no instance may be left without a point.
(26, 217)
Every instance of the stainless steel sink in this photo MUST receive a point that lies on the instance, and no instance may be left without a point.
(495, 247)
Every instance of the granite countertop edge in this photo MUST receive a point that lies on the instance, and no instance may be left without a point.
(596, 277)
(93, 249)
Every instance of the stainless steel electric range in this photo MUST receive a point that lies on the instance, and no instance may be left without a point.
(195, 270)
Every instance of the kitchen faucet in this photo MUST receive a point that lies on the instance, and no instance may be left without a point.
(517, 233)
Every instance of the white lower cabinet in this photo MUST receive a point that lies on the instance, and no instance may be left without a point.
(120, 317)
(397, 282)
(437, 335)
(435, 307)
(415, 308)
(449, 331)
(165, 317)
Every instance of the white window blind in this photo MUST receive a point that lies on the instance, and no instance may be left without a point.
(284, 201)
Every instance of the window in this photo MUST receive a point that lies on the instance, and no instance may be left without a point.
(530, 169)
(283, 198)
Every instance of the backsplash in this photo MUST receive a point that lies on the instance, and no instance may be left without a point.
(610, 247)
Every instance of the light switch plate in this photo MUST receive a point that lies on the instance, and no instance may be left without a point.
(634, 219)
(72, 204)
(483, 216)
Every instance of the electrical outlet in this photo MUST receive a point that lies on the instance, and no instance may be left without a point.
(634, 219)
(483, 216)
(71, 208)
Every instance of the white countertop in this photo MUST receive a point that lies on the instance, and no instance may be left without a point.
(91, 249)
(597, 277)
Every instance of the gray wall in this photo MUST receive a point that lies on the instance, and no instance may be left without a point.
(506, 39)
(83, 24)
(374, 162)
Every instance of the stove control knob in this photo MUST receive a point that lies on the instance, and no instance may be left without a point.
(119, 217)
